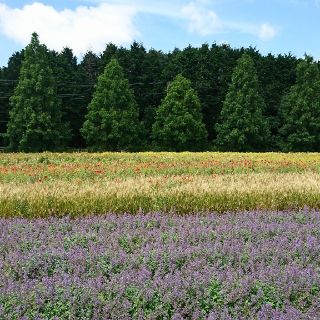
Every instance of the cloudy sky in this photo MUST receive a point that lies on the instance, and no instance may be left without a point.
(278, 26)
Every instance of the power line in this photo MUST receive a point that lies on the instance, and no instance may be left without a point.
(78, 96)
(91, 84)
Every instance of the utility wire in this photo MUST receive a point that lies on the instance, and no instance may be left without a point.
(91, 84)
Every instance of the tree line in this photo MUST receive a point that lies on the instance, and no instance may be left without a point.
(206, 98)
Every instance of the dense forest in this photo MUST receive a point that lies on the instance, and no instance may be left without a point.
(212, 97)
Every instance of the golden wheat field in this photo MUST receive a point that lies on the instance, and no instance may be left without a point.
(51, 184)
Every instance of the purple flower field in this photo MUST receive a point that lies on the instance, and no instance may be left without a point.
(255, 265)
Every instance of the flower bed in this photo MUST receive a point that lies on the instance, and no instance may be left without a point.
(247, 265)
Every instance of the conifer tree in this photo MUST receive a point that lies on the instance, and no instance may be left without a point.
(112, 122)
(178, 123)
(72, 88)
(35, 117)
(243, 126)
(8, 76)
(300, 111)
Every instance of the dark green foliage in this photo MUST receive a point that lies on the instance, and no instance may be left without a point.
(87, 76)
(242, 126)
(144, 71)
(73, 92)
(153, 89)
(133, 62)
(276, 76)
(217, 72)
(90, 67)
(109, 53)
(3, 107)
(8, 79)
(112, 121)
(300, 111)
(35, 116)
(178, 123)
(209, 69)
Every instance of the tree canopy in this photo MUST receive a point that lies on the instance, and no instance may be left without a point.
(242, 125)
(178, 122)
(35, 116)
(112, 122)
(300, 110)
(70, 85)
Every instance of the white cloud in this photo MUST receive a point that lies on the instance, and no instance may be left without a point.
(82, 29)
(267, 32)
(199, 17)
(201, 21)
(263, 31)
(91, 27)
(204, 21)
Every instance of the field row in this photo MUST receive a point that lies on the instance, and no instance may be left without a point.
(93, 166)
(180, 194)
(48, 184)
(250, 265)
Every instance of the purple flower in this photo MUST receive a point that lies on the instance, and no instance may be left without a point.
(249, 265)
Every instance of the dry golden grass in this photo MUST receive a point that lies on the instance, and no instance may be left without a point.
(180, 193)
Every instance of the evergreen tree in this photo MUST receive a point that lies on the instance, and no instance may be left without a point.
(35, 116)
(87, 76)
(209, 70)
(178, 123)
(143, 70)
(243, 127)
(300, 111)
(90, 66)
(277, 74)
(154, 87)
(112, 122)
(110, 52)
(8, 80)
(3, 106)
(133, 63)
(72, 92)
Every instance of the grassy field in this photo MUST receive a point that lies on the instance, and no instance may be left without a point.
(41, 185)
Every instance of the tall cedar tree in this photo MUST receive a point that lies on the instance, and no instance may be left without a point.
(112, 122)
(3, 108)
(243, 127)
(35, 117)
(300, 111)
(72, 89)
(8, 81)
(154, 87)
(276, 76)
(178, 123)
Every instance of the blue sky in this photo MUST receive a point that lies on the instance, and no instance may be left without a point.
(277, 26)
